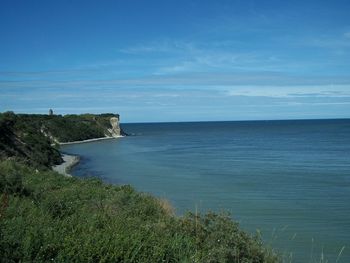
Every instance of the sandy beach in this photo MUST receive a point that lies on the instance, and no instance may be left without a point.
(68, 162)
(90, 140)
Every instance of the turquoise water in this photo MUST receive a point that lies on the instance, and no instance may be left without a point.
(289, 179)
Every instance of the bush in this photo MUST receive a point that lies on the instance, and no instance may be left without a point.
(219, 239)
(11, 180)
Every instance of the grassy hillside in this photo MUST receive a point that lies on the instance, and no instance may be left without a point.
(47, 217)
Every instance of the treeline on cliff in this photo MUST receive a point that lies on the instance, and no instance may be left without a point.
(68, 128)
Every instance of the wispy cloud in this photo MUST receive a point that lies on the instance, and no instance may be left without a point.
(159, 46)
(185, 56)
(199, 102)
(333, 41)
(184, 79)
(313, 91)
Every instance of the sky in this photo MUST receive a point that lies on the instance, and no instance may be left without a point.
(183, 60)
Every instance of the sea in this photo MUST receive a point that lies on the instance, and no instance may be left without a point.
(288, 181)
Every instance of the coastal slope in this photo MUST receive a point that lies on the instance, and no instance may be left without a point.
(35, 138)
(22, 141)
(71, 128)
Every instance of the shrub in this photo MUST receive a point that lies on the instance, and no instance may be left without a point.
(10, 179)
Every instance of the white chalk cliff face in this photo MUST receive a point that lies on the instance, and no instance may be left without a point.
(115, 130)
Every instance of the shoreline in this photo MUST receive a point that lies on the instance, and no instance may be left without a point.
(69, 161)
(90, 140)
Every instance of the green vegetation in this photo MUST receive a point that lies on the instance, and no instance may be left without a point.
(22, 141)
(47, 217)
(69, 128)
(28, 137)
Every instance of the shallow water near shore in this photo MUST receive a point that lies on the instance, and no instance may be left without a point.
(290, 179)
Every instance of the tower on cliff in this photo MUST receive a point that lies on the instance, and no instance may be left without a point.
(50, 112)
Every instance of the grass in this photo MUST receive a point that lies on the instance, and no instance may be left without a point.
(47, 217)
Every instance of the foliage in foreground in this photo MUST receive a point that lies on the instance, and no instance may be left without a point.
(45, 216)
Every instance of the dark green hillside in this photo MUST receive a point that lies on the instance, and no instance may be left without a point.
(47, 217)
(21, 141)
(28, 137)
(69, 128)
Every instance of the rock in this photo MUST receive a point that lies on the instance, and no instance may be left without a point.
(115, 131)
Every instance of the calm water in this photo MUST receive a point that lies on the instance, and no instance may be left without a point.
(289, 179)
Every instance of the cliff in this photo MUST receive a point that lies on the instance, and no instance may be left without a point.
(68, 128)
(115, 131)
(28, 137)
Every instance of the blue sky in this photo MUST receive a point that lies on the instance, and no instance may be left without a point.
(177, 60)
